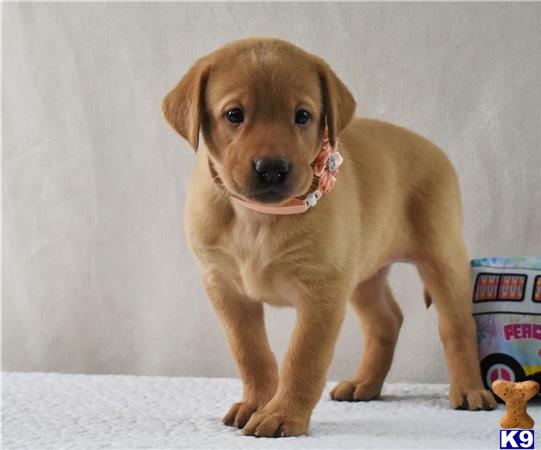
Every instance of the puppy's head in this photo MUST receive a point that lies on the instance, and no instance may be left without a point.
(261, 105)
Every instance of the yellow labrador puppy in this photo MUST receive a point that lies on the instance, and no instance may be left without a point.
(294, 202)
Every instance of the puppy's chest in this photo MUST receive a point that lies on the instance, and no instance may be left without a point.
(262, 266)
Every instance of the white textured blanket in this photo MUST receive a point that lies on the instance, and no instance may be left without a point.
(54, 411)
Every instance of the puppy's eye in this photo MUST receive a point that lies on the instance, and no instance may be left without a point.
(302, 117)
(235, 115)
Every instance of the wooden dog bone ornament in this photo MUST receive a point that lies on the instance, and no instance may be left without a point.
(515, 396)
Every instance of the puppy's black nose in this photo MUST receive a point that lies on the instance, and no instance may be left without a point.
(272, 171)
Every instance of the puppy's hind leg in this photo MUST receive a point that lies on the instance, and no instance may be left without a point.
(380, 318)
(447, 277)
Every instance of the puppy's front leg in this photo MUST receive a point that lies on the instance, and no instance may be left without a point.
(245, 329)
(304, 370)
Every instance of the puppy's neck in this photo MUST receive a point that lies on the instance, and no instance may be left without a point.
(246, 215)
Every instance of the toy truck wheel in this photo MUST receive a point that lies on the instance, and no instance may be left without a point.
(499, 365)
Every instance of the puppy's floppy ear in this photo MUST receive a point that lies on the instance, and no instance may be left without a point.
(183, 107)
(338, 103)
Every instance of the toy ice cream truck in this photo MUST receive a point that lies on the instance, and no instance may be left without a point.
(507, 310)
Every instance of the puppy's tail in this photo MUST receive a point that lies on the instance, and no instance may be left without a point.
(428, 298)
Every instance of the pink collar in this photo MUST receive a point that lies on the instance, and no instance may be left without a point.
(325, 169)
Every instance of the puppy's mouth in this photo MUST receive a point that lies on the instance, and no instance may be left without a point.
(277, 194)
(271, 195)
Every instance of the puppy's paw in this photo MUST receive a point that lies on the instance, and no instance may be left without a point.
(275, 424)
(472, 399)
(239, 414)
(355, 391)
